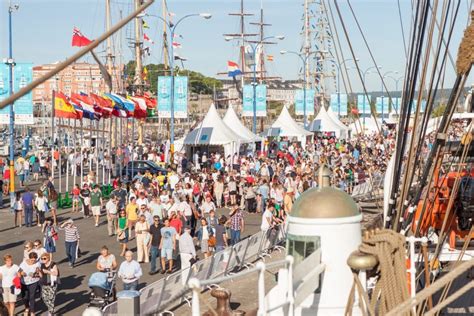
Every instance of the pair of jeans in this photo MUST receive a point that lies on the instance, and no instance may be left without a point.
(132, 286)
(28, 215)
(155, 254)
(29, 295)
(234, 236)
(71, 251)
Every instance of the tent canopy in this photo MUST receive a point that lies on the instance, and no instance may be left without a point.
(213, 131)
(287, 126)
(324, 123)
(334, 117)
(232, 120)
(369, 127)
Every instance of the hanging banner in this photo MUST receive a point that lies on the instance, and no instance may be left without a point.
(299, 103)
(164, 96)
(381, 105)
(339, 104)
(363, 104)
(247, 100)
(415, 103)
(23, 107)
(260, 100)
(180, 97)
(261, 96)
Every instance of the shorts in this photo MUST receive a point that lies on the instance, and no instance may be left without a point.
(75, 198)
(8, 297)
(131, 223)
(167, 253)
(233, 192)
(96, 210)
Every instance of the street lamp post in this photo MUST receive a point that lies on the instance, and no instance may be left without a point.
(383, 77)
(254, 68)
(397, 80)
(366, 72)
(172, 28)
(339, 66)
(11, 63)
(304, 60)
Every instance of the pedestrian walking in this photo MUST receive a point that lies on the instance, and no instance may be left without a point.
(237, 224)
(49, 274)
(111, 211)
(130, 272)
(167, 246)
(8, 274)
(122, 231)
(85, 196)
(28, 199)
(71, 240)
(187, 250)
(142, 229)
(204, 235)
(96, 203)
(106, 261)
(41, 204)
(29, 275)
(155, 233)
(50, 236)
(18, 209)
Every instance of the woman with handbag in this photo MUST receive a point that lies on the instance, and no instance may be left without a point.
(49, 275)
(50, 236)
(206, 238)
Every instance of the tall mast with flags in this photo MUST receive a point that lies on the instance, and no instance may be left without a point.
(138, 82)
(165, 35)
(246, 71)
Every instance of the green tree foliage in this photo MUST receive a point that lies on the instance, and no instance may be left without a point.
(438, 111)
(198, 83)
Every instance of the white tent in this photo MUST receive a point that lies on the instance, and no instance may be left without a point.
(336, 119)
(286, 126)
(324, 123)
(213, 131)
(232, 120)
(369, 127)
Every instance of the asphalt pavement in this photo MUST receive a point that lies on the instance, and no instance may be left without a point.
(73, 294)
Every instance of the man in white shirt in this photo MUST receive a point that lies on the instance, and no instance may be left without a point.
(142, 200)
(7, 273)
(130, 271)
(207, 205)
(186, 252)
(267, 219)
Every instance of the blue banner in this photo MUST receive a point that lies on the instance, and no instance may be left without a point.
(337, 99)
(363, 104)
(260, 100)
(381, 106)
(23, 108)
(180, 97)
(299, 103)
(247, 106)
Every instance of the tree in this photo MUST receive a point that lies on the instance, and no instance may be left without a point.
(438, 111)
(198, 83)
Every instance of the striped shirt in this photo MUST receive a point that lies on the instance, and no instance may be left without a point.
(71, 233)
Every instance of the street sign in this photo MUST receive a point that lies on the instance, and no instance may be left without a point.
(23, 107)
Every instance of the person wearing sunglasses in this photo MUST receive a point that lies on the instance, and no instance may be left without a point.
(29, 274)
(49, 281)
(38, 248)
(28, 248)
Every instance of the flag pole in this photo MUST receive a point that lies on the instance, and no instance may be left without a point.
(53, 101)
(74, 146)
(82, 152)
(59, 160)
(68, 149)
(97, 145)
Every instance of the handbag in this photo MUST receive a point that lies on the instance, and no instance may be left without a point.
(211, 242)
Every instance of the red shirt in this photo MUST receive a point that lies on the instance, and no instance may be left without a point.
(6, 174)
(76, 191)
(177, 224)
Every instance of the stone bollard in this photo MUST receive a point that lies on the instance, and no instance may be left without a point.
(128, 303)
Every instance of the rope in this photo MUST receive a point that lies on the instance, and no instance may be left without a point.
(391, 288)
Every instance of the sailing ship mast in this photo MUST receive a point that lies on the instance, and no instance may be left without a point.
(165, 36)
(242, 35)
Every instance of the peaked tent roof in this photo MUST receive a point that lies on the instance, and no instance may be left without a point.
(334, 117)
(324, 123)
(212, 131)
(287, 126)
(232, 120)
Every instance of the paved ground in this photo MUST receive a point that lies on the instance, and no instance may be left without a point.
(74, 293)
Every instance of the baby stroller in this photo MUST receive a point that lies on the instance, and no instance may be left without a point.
(103, 289)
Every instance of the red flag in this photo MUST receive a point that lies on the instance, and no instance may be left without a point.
(150, 102)
(176, 44)
(78, 39)
(140, 107)
(104, 105)
(355, 111)
(146, 38)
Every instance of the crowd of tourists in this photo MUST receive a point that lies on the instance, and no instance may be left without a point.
(185, 212)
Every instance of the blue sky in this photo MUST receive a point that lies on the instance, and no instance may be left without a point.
(43, 29)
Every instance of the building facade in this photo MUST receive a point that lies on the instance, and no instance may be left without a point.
(76, 78)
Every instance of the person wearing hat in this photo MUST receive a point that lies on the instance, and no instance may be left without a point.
(288, 200)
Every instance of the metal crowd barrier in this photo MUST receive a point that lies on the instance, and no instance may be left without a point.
(368, 189)
(171, 291)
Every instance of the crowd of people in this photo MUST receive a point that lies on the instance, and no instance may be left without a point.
(190, 210)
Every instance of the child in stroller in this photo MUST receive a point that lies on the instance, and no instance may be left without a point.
(103, 288)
